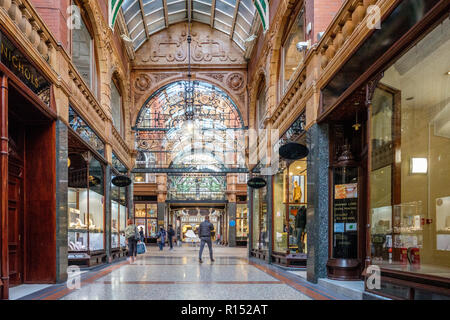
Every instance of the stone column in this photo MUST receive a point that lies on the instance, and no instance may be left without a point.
(161, 181)
(317, 212)
(231, 210)
(62, 184)
(269, 215)
(130, 198)
(108, 212)
(250, 220)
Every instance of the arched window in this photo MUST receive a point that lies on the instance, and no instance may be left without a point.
(83, 50)
(291, 57)
(261, 104)
(116, 107)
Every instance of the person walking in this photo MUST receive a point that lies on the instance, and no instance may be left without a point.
(161, 236)
(141, 233)
(205, 236)
(170, 234)
(132, 236)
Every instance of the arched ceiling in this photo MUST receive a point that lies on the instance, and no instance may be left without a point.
(146, 17)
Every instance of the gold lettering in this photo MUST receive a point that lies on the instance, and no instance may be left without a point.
(36, 82)
(20, 68)
(13, 61)
(27, 74)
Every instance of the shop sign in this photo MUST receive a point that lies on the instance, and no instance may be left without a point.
(121, 181)
(14, 60)
(293, 151)
(257, 183)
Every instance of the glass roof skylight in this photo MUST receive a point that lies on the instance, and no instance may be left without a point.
(146, 17)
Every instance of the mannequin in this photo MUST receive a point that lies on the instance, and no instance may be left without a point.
(297, 196)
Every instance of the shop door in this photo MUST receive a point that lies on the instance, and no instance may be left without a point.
(15, 213)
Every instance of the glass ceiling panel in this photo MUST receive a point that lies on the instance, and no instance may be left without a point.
(213, 141)
(153, 10)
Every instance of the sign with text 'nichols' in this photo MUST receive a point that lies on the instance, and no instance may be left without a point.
(15, 60)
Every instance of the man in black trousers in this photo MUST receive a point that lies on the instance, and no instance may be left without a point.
(205, 236)
(170, 234)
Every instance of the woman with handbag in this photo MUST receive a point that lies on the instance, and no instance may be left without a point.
(132, 236)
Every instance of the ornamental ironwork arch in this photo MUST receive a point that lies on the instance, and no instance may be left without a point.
(213, 142)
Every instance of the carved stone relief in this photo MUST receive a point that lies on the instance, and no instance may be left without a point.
(209, 46)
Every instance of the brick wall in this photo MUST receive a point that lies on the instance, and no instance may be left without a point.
(54, 14)
(324, 12)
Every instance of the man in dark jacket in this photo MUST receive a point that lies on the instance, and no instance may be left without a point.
(205, 236)
(300, 225)
(170, 234)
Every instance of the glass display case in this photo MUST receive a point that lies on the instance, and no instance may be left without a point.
(96, 206)
(85, 205)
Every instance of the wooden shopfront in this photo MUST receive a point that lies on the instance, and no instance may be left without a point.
(389, 156)
(28, 170)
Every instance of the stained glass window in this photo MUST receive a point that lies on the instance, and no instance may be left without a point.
(85, 132)
(213, 141)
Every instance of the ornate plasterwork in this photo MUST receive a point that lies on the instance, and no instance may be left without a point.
(170, 46)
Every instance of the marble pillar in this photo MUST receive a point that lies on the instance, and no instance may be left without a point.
(250, 220)
(130, 198)
(62, 184)
(269, 198)
(108, 212)
(231, 209)
(162, 206)
(317, 212)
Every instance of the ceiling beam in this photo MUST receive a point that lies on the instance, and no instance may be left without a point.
(213, 11)
(141, 4)
(166, 13)
(236, 10)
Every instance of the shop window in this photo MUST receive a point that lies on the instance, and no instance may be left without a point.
(96, 202)
(146, 215)
(409, 181)
(289, 203)
(291, 57)
(83, 53)
(116, 108)
(260, 230)
(86, 204)
(241, 222)
(119, 214)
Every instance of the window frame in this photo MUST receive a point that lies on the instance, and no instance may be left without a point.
(116, 83)
(297, 11)
(94, 68)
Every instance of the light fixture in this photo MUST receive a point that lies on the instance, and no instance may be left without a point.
(419, 166)
(189, 88)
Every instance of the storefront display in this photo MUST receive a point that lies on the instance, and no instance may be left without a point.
(241, 224)
(289, 217)
(145, 215)
(260, 230)
(410, 135)
(86, 205)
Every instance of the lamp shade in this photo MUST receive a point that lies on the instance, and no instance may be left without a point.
(293, 151)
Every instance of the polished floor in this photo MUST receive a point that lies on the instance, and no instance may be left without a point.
(177, 275)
